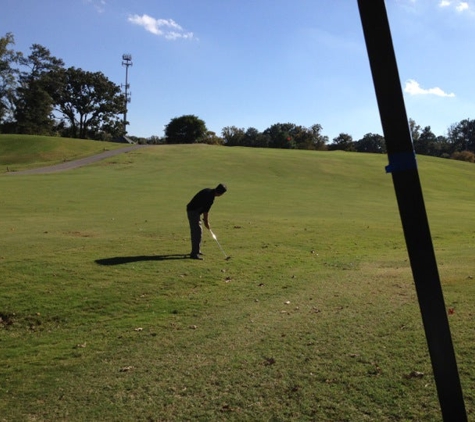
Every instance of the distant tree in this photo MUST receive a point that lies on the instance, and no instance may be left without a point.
(461, 136)
(34, 103)
(308, 138)
(251, 137)
(186, 129)
(281, 135)
(319, 141)
(291, 136)
(342, 142)
(233, 136)
(371, 143)
(90, 103)
(8, 73)
(155, 140)
(211, 138)
(425, 142)
(415, 130)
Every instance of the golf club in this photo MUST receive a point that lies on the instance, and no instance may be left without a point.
(222, 250)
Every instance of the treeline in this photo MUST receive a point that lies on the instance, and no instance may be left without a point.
(40, 96)
(458, 144)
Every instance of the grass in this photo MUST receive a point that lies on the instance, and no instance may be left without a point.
(314, 318)
(22, 152)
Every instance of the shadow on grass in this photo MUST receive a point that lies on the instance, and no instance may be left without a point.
(118, 260)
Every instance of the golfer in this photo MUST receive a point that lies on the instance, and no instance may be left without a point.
(201, 204)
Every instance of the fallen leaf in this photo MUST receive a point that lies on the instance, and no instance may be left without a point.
(80, 345)
(269, 361)
(414, 374)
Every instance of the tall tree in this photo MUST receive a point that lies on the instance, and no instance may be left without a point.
(34, 103)
(90, 103)
(461, 136)
(8, 59)
(233, 136)
(281, 135)
(319, 141)
(415, 130)
(371, 142)
(186, 129)
(342, 142)
(424, 144)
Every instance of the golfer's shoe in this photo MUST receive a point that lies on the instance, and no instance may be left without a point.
(197, 256)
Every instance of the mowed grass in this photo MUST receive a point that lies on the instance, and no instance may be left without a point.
(314, 317)
(22, 152)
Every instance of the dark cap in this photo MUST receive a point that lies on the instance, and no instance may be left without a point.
(221, 188)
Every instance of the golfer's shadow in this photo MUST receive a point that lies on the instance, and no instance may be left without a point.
(119, 260)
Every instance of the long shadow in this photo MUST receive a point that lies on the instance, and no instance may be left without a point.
(118, 260)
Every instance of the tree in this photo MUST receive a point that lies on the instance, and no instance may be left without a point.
(280, 135)
(90, 104)
(342, 142)
(233, 136)
(34, 102)
(319, 141)
(415, 130)
(461, 136)
(186, 129)
(371, 143)
(211, 138)
(424, 144)
(8, 58)
(308, 138)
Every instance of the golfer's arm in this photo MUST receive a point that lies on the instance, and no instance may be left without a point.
(205, 219)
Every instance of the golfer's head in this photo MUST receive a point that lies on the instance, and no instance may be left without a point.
(220, 189)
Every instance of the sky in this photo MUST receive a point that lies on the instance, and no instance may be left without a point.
(254, 63)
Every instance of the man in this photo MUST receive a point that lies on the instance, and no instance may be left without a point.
(201, 204)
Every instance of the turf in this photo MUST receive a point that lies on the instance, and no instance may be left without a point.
(313, 318)
(21, 152)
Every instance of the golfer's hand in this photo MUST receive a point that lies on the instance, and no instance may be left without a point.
(206, 225)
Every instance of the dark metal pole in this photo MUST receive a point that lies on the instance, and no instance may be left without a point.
(403, 167)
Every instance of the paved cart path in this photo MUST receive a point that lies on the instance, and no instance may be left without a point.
(68, 165)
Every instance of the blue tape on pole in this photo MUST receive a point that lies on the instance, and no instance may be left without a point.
(401, 161)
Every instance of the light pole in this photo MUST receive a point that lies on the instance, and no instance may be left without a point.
(126, 61)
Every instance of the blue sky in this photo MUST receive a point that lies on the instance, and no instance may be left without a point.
(253, 63)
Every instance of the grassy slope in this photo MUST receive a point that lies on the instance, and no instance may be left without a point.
(21, 152)
(314, 317)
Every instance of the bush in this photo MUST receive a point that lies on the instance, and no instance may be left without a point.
(468, 156)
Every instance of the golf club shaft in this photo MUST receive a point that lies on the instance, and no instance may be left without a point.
(220, 247)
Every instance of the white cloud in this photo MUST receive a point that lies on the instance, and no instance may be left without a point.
(99, 5)
(412, 87)
(460, 6)
(166, 28)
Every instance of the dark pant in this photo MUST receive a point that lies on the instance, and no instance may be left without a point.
(196, 231)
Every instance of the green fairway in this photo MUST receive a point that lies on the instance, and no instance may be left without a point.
(314, 317)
